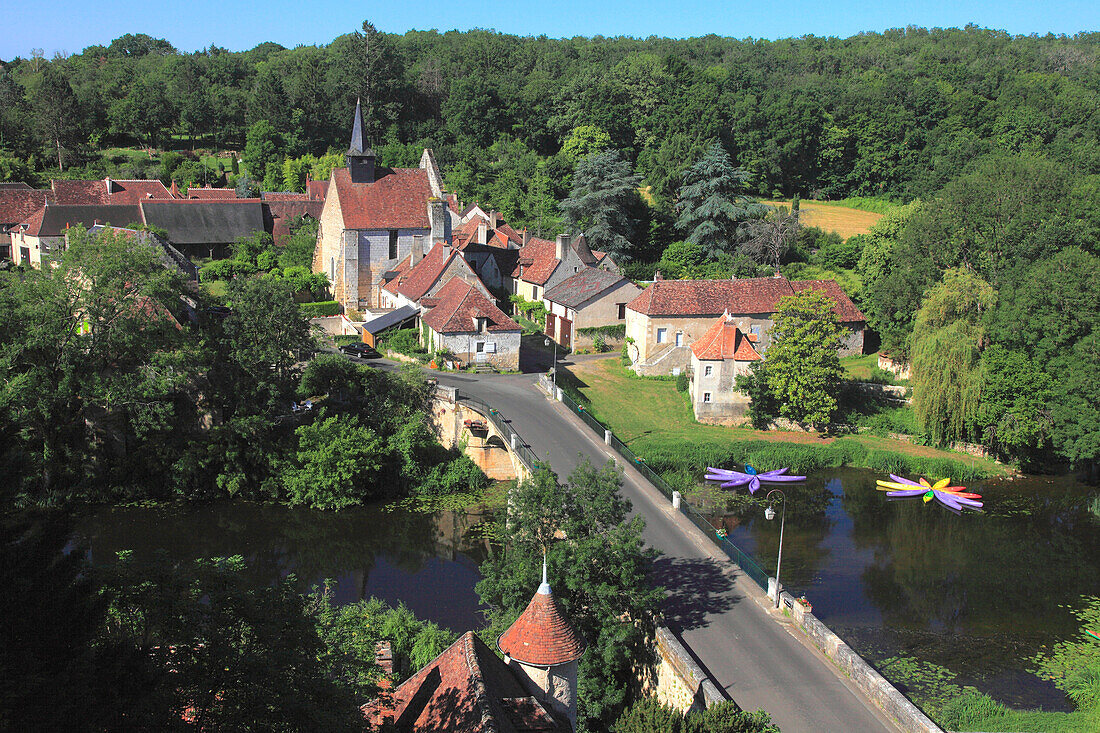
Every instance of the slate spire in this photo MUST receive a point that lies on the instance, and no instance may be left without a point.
(360, 157)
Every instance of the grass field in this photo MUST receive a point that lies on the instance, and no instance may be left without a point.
(649, 414)
(843, 220)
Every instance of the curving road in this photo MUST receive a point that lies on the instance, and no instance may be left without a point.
(724, 619)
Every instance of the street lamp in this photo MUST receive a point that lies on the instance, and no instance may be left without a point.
(554, 370)
(769, 514)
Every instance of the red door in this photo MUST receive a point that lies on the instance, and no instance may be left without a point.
(550, 325)
(566, 329)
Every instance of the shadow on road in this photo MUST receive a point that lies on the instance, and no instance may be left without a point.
(696, 588)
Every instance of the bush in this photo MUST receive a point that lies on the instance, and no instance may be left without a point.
(322, 308)
(406, 341)
(682, 382)
(226, 270)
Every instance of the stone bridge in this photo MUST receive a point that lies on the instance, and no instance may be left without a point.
(482, 434)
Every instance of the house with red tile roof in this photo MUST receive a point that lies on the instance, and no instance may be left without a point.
(206, 193)
(670, 315)
(469, 689)
(463, 320)
(108, 192)
(589, 298)
(371, 217)
(18, 202)
(543, 264)
(42, 235)
(720, 355)
(416, 278)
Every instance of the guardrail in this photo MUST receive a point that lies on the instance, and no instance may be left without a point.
(516, 442)
(736, 555)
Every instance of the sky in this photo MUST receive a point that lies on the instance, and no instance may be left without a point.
(69, 26)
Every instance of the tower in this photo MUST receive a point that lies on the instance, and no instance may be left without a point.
(543, 648)
(360, 157)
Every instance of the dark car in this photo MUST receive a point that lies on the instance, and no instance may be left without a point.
(360, 350)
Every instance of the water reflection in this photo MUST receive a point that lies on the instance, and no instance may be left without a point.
(980, 594)
(428, 561)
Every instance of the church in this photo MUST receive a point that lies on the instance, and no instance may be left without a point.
(374, 217)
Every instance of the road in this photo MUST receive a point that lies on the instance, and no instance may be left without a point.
(722, 617)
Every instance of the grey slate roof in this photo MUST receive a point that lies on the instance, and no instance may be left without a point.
(582, 286)
(388, 320)
(205, 222)
(55, 219)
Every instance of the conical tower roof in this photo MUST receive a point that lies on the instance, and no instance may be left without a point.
(542, 636)
(358, 146)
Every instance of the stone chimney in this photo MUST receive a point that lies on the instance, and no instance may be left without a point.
(437, 215)
(417, 253)
(494, 219)
(562, 245)
(657, 276)
(526, 237)
(482, 232)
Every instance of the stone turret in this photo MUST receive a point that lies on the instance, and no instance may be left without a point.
(543, 648)
(360, 157)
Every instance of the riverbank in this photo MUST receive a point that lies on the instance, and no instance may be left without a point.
(656, 422)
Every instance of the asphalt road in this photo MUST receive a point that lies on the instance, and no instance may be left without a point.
(722, 618)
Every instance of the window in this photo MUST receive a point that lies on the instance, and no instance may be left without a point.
(708, 370)
(706, 397)
(480, 346)
(393, 244)
(332, 270)
(575, 269)
(679, 338)
(754, 330)
(622, 310)
(662, 335)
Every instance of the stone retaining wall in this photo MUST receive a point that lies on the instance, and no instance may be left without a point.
(680, 683)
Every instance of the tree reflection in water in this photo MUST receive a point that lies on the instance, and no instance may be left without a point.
(394, 554)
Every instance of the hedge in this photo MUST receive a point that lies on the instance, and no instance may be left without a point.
(618, 331)
(319, 309)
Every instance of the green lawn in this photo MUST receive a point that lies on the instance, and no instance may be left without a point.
(216, 288)
(859, 367)
(651, 417)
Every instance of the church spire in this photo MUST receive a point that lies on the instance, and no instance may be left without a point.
(360, 157)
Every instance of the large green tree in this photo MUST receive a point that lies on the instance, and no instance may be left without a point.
(803, 370)
(601, 204)
(713, 204)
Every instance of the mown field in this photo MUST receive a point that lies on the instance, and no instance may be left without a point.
(830, 217)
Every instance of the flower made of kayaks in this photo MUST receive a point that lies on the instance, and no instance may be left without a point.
(954, 498)
(730, 479)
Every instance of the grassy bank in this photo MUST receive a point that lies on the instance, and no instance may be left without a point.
(657, 423)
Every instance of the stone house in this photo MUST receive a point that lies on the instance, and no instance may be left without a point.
(670, 315)
(589, 298)
(18, 202)
(417, 277)
(469, 689)
(722, 353)
(461, 319)
(543, 264)
(42, 235)
(371, 218)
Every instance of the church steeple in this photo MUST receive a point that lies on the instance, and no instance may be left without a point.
(360, 157)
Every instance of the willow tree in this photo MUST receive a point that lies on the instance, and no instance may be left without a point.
(948, 336)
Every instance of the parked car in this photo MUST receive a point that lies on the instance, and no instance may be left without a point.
(360, 350)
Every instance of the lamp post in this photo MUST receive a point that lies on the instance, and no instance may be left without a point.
(769, 514)
(554, 370)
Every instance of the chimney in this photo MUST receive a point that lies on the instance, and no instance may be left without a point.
(494, 219)
(482, 233)
(562, 244)
(657, 276)
(526, 237)
(417, 253)
(109, 184)
(438, 218)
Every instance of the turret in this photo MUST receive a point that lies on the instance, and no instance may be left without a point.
(360, 157)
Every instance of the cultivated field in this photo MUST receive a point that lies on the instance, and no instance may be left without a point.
(840, 219)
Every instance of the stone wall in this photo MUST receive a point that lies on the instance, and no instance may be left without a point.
(464, 347)
(679, 682)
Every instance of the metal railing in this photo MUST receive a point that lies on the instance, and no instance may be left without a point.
(736, 555)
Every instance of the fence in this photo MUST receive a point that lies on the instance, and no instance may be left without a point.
(738, 556)
(523, 451)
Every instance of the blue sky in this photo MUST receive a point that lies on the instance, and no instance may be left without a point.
(71, 25)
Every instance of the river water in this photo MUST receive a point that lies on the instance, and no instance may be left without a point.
(979, 594)
(428, 561)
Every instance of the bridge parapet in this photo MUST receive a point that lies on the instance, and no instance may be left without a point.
(485, 435)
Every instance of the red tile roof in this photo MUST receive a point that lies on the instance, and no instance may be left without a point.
(284, 196)
(465, 689)
(398, 199)
(97, 193)
(16, 204)
(414, 283)
(196, 192)
(317, 189)
(458, 304)
(582, 286)
(724, 340)
(537, 261)
(542, 635)
(755, 296)
(283, 212)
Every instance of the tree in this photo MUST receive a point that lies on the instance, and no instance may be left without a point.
(52, 103)
(712, 202)
(1014, 407)
(649, 715)
(599, 206)
(948, 336)
(803, 371)
(584, 141)
(261, 149)
(599, 573)
(338, 464)
(768, 237)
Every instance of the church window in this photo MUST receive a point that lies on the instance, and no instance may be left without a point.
(393, 244)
